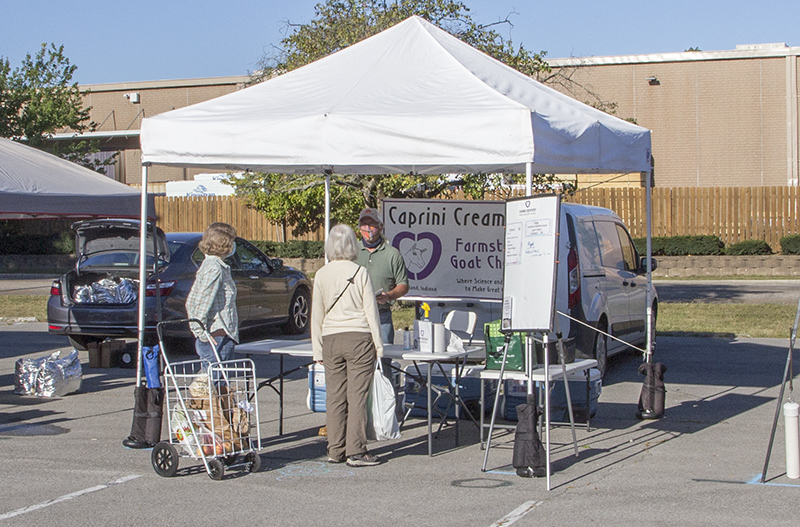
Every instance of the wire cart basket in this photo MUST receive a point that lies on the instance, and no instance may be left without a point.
(212, 411)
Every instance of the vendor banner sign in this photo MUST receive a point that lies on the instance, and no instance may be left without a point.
(452, 249)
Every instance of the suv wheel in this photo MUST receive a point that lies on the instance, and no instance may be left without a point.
(299, 313)
(600, 349)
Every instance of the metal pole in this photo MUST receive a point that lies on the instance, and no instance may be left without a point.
(529, 178)
(649, 296)
(327, 206)
(788, 376)
(496, 399)
(545, 345)
(142, 274)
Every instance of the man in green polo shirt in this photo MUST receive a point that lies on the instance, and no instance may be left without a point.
(386, 268)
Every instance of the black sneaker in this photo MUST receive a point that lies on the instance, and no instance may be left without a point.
(132, 442)
(363, 460)
(531, 472)
(335, 460)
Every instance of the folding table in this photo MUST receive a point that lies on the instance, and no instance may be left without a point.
(302, 348)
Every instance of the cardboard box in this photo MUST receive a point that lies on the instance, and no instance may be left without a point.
(105, 354)
(109, 350)
(94, 354)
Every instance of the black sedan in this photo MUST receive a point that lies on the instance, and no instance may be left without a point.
(98, 299)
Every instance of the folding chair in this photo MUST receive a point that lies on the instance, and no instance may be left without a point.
(462, 323)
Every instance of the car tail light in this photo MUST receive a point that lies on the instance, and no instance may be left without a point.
(574, 277)
(55, 288)
(164, 287)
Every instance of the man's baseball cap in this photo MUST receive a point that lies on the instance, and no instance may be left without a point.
(371, 214)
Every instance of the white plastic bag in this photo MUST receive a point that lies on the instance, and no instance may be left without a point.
(381, 417)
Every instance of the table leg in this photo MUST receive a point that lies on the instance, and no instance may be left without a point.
(458, 398)
(483, 393)
(280, 400)
(430, 422)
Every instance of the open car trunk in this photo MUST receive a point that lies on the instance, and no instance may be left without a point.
(107, 267)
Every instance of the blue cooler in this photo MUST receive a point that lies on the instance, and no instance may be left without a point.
(516, 392)
(317, 395)
(577, 392)
(469, 390)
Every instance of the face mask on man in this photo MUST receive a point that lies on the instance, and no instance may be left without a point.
(370, 233)
(233, 250)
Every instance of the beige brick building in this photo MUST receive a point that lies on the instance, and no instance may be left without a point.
(120, 108)
(722, 118)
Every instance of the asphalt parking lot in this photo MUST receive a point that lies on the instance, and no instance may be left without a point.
(64, 462)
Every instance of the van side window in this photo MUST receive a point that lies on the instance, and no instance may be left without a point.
(628, 249)
(587, 244)
(610, 250)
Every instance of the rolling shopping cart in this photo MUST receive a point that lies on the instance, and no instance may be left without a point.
(212, 411)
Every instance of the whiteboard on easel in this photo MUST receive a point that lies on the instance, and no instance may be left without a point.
(531, 253)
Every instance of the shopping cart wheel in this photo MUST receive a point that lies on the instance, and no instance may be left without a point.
(164, 459)
(254, 461)
(215, 469)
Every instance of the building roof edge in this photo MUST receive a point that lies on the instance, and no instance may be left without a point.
(169, 83)
(741, 52)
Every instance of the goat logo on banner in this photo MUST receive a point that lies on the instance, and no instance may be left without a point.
(421, 252)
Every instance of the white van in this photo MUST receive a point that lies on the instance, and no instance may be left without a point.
(601, 281)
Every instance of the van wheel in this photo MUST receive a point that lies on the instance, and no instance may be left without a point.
(601, 349)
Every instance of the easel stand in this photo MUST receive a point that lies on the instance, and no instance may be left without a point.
(788, 375)
(529, 354)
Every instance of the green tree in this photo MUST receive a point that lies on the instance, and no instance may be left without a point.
(297, 200)
(39, 99)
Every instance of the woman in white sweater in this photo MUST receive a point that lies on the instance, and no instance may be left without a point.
(346, 339)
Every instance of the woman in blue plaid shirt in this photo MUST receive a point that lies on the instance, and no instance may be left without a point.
(212, 299)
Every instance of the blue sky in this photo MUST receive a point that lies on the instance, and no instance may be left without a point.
(144, 40)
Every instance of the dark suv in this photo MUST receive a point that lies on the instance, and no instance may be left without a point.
(98, 299)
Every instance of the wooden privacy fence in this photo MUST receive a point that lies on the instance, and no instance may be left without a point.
(734, 214)
(195, 213)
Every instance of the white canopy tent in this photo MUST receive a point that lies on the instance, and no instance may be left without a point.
(412, 99)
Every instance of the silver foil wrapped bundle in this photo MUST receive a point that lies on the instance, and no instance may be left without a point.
(50, 376)
(127, 290)
(105, 291)
(82, 294)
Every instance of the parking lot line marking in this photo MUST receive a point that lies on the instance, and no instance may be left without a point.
(516, 514)
(65, 497)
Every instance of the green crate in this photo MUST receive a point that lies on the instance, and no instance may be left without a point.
(495, 340)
